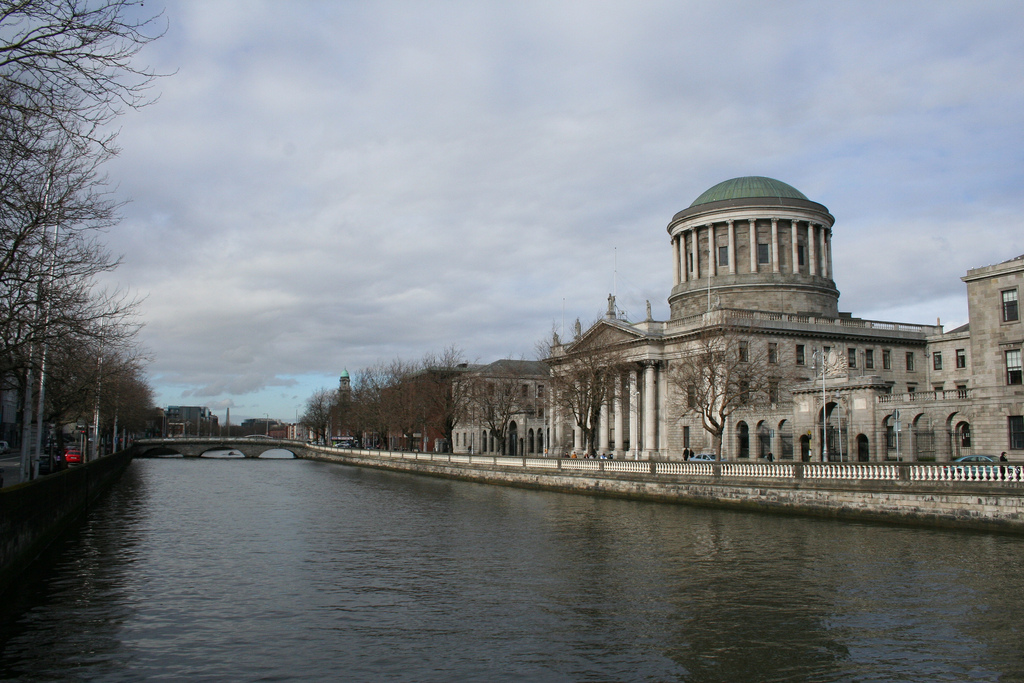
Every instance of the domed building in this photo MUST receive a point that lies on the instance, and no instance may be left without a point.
(752, 242)
(752, 273)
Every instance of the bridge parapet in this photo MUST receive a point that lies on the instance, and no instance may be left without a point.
(194, 447)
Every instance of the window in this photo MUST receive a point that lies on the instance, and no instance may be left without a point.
(800, 254)
(723, 256)
(851, 357)
(799, 354)
(1016, 424)
(762, 254)
(936, 361)
(526, 390)
(540, 391)
(686, 436)
(744, 390)
(869, 359)
(773, 392)
(773, 352)
(744, 351)
(911, 388)
(910, 361)
(961, 391)
(1010, 313)
(961, 358)
(886, 359)
(1013, 369)
(691, 396)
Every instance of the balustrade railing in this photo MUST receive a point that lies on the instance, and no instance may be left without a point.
(995, 473)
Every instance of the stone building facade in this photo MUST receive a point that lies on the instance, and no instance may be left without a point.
(513, 392)
(753, 256)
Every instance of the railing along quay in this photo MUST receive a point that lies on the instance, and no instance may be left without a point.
(995, 473)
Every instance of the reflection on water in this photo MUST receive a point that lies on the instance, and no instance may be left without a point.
(308, 571)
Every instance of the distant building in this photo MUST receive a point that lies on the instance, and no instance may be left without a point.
(516, 391)
(191, 421)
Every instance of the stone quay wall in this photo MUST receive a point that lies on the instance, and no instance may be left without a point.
(990, 498)
(35, 513)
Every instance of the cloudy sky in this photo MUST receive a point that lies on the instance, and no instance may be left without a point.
(325, 185)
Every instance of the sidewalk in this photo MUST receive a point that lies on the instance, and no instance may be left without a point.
(10, 465)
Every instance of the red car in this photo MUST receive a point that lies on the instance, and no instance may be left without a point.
(72, 456)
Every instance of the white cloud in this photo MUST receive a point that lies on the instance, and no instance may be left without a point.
(322, 185)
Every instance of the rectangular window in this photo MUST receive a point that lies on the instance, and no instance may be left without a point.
(1016, 424)
(799, 354)
(851, 357)
(936, 361)
(800, 254)
(911, 388)
(910, 361)
(1010, 312)
(961, 358)
(886, 359)
(686, 436)
(723, 256)
(773, 392)
(744, 352)
(961, 391)
(1013, 369)
(540, 391)
(691, 396)
(869, 359)
(762, 254)
(773, 352)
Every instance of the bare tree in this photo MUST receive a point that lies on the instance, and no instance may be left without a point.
(725, 370)
(446, 398)
(495, 398)
(318, 412)
(584, 374)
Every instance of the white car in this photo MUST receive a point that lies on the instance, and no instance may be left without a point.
(703, 457)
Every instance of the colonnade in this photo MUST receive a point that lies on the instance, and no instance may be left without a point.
(645, 393)
(687, 256)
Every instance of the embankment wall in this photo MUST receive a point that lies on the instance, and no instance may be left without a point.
(990, 506)
(35, 513)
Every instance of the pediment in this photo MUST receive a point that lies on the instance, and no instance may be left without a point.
(607, 333)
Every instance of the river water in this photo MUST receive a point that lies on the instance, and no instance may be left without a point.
(290, 570)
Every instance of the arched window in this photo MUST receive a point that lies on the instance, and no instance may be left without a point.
(743, 440)
(529, 441)
(863, 449)
(785, 440)
(764, 440)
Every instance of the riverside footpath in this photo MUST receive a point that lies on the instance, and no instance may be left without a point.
(950, 495)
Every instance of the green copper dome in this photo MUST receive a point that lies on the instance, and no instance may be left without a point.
(749, 186)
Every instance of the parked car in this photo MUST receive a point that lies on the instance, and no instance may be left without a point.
(72, 455)
(975, 458)
(4, 447)
(703, 457)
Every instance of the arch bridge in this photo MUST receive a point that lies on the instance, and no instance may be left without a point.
(195, 447)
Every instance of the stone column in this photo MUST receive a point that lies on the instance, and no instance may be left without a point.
(696, 254)
(602, 429)
(753, 245)
(662, 414)
(675, 260)
(732, 247)
(688, 256)
(634, 414)
(556, 429)
(620, 440)
(826, 252)
(577, 439)
(795, 251)
(812, 249)
(712, 251)
(775, 245)
(650, 408)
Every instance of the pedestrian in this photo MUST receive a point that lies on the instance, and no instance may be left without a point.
(1002, 458)
(771, 458)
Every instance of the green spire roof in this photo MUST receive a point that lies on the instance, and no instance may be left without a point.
(749, 186)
